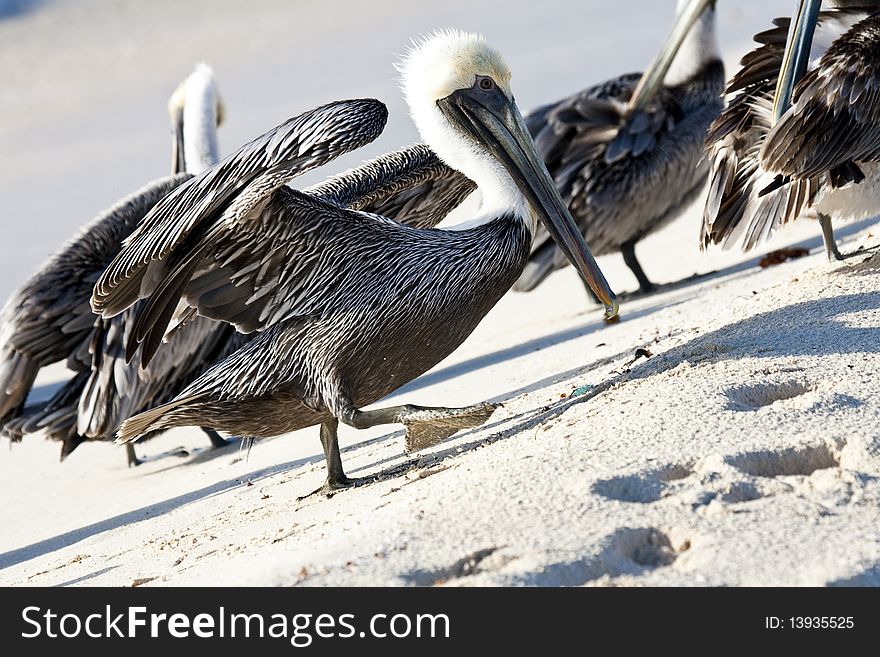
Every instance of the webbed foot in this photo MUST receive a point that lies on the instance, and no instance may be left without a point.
(429, 426)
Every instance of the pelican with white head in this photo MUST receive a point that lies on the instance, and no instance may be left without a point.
(459, 94)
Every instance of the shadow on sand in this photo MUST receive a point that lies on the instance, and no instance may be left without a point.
(60, 541)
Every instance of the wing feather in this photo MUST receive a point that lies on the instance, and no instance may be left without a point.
(232, 192)
(825, 126)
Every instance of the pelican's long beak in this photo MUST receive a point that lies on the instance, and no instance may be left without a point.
(797, 54)
(494, 121)
(178, 160)
(652, 79)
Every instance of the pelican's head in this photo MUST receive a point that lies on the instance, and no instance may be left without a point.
(437, 67)
(458, 91)
(448, 60)
(196, 110)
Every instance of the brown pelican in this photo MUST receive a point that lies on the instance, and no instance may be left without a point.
(49, 318)
(800, 132)
(627, 153)
(349, 306)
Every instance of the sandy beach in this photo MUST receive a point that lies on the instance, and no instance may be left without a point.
(724, 432)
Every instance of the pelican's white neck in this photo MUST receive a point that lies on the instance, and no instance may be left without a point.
(499, 193)
(700, 47)
(200, 121)
(439, 65)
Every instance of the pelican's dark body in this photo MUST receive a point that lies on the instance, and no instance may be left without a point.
(336, 322)
(357, 340)
(623, 177)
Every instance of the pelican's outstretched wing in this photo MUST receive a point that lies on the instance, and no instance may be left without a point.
(161, 258)
(411, 185)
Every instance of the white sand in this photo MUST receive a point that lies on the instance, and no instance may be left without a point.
(745, 451)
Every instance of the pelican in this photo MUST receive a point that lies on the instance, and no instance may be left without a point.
(627, 153)
(48, 319)
(800, 133)
(348, 305)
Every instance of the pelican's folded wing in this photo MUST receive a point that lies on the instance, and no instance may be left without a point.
(411, 186)
(733, 143)
(55, 417)
(596, 124)
(114, 391)
(750, 193)
(581, 137)
(744, 200)
(835, 111)
(761, 64)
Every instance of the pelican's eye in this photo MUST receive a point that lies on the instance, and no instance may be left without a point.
(486, 83)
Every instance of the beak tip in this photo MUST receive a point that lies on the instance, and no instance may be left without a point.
(612, 310)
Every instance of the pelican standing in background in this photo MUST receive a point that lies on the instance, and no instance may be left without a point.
(801, 131)
(349, 306)
(49, 318)
(627, 154)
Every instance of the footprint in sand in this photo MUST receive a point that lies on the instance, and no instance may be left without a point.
(628, 551)
(632, 552)
(643, 487)
(810, 471)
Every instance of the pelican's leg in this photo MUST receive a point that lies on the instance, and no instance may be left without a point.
(425, 425)
(131, 456)
(217, 441)
(336, 477)
(831, 249)
(628, 251)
